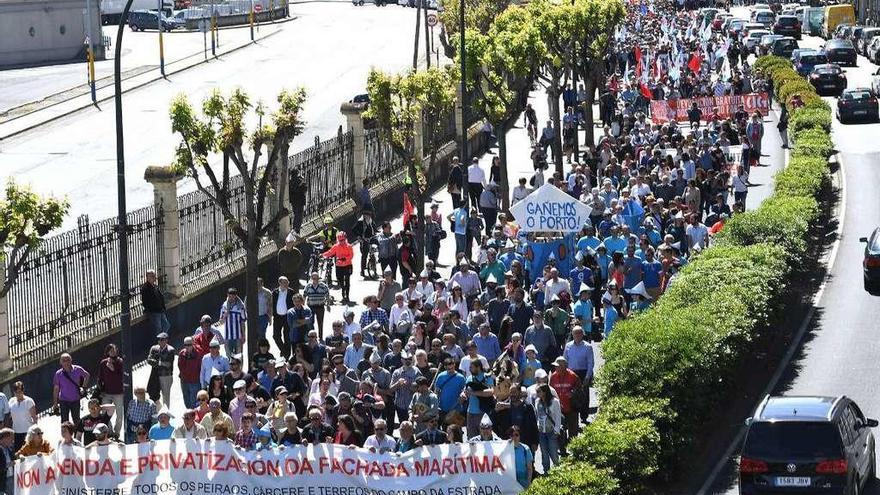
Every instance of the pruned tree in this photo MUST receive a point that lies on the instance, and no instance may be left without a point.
(478, 16)
(398, 102)
(501, 64)
(25, 219)
(222, 130)
(596, 21)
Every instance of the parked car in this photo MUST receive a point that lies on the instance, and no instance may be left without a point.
(871, 261)
(141, 20)
(735, 26)
(765, 17)
(750, 26)
(766, 42)
(841, 52)
(857, 104)
(828, 79)
(875, 83)
(805, 60)
(783, 47)
(868, 34)
(753, 38)
(718, 21)
(787, 25)
(855, 33)
(377, 3)
(873, 53)
(807, 445)
(759, 6)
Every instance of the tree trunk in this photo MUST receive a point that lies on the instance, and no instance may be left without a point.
(251, 274)
(501, 131)
(427, 39)
(448, 49)
(553, 97)
(590, 88)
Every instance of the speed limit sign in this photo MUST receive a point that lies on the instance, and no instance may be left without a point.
(432, 20)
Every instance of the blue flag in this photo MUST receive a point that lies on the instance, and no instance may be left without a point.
(632, 214)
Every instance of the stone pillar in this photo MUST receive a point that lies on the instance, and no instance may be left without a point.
(418, 136)
(164, 180)
(354, 120)
(5, 358)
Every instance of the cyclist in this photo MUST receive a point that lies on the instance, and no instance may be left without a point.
(327, 236)
(364, 231)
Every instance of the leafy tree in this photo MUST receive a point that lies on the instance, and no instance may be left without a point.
(595, 23)
(556, 25)
(25, 219)
(478, 15)
(501, 65)
(222, 130)
(398, 102)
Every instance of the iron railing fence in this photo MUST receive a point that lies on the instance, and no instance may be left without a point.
(68, 292)
(328, 169)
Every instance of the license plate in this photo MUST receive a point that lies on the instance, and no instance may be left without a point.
(832, 86)
(792, 481)
(860, 112)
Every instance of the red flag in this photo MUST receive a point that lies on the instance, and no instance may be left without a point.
(408, 210)
(694, 63)
(646, 91)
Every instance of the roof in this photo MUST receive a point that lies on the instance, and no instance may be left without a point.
(796, 408)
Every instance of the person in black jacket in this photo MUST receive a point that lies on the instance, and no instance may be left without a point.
(455, 184)
(153, 301)
(282, 301)
(297, 190)
(515, 411)
(364, 231)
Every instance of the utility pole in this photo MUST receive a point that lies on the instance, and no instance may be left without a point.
(159, 14)
(427, 38)
(464, 99)
(90, 56)
(122, 223)
(416, 42)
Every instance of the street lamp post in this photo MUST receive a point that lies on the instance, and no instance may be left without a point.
(161, 45)
(90, 35)
(461, 48)
(122, 227)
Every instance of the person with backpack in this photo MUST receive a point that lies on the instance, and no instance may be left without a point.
(480, 396)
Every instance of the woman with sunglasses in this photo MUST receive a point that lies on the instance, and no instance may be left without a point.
(34, 443)
(217, 390)
(202, 408)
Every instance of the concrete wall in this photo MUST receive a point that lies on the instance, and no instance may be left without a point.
(40, 32)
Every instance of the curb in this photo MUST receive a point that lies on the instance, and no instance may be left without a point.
(137, 86)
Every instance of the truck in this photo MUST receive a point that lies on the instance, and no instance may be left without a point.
(111, 10)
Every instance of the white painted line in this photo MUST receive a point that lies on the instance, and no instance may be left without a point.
(802, 330)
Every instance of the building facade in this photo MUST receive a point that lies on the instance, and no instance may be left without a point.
(43, 32)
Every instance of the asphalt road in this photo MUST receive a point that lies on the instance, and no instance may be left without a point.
(839, 355)
(329, 51)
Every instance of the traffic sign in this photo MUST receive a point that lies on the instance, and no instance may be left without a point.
(432, 20)
(258, 8)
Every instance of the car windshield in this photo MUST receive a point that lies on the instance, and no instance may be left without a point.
(764, 16)
(814, 59)
(786, 21)
(757, 34)
(787, 43)
(857, 95)
(817, 16)
(792, 440)
(828, 70)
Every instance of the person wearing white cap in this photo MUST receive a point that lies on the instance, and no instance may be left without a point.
(213, 363)
(350, 326)
(102, 436)
(425, 286)
(162, 430)
(640, 298)
(237, 406)
(486, 434)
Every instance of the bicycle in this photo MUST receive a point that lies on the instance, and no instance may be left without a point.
(372, 270)
(318, 263)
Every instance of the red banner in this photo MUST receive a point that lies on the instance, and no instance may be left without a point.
(666, 110)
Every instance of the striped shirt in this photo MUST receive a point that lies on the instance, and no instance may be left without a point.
(316, 295)
(233, 315)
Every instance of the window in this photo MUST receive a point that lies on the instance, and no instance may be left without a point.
(792, 439)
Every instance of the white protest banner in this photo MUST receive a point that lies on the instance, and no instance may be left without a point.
(548, 209)
(196, 467)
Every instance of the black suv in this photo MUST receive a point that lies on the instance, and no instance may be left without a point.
(140, 20)
(787, 25)
(807, 445)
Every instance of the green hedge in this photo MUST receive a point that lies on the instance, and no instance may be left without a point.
(574, 477)
(667, 369)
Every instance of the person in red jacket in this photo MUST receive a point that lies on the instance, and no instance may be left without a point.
(344, 255)
(564, 381)
(189, 363)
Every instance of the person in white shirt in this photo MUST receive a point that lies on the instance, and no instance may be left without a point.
(424, 286)
(476, 180)
(520, 192)
(555, 285)
(23, 411)
(465, 364)
(211, 362)
(697, 234)
(380, 442)
(399, 312)
(354, 353)
(351, 326)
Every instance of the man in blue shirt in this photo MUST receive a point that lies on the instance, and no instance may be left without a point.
(651, 269)
(487, 343)
(579, 355)
(615, 242)
(448, 386)
(632, 267)
(582, 310)
(479, 385)
(580, 274)
(588, 241)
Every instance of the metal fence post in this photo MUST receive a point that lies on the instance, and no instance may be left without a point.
(164, 180)
(355, 122)
(419, 136)
(5, 358)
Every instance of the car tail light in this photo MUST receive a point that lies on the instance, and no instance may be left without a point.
(814, 76)
(752, 466)
(872, 100)
(872, 262)
(837, 466)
